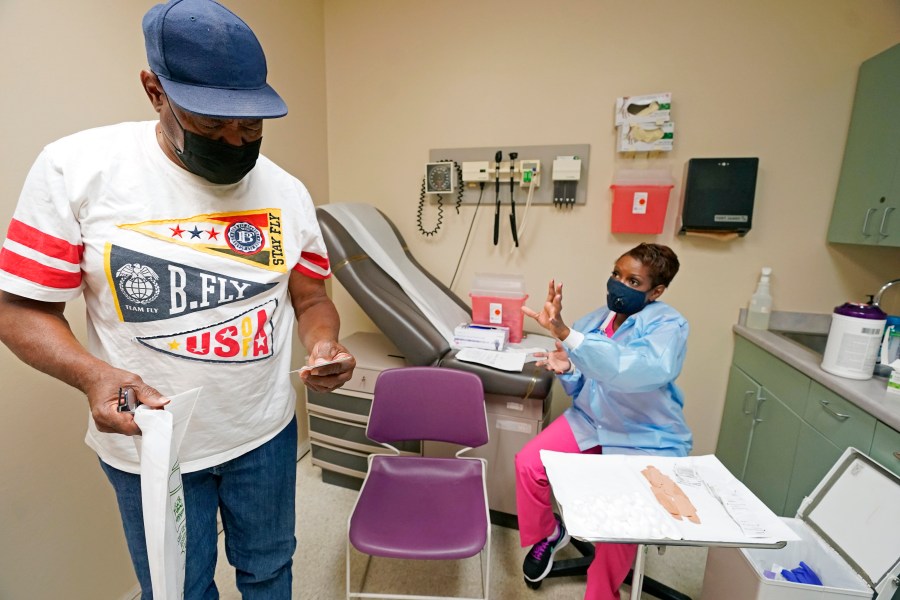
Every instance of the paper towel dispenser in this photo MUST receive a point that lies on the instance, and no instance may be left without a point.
(718, 195)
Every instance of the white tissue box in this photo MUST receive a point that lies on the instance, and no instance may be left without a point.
(480, 336)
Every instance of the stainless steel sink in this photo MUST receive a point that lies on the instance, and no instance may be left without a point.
(812, 341)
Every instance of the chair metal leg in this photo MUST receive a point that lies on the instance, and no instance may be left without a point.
(484, 562)
(362, 586)
(486, 565)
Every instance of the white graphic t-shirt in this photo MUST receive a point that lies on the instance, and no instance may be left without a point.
(185, 282)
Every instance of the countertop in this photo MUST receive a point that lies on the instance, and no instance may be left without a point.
(868, 394)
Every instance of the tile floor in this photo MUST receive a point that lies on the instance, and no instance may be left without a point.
(322, 512)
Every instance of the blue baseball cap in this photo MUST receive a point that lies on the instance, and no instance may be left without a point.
(209, 61)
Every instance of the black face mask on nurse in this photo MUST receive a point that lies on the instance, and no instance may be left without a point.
(622, 299)
(216, 161)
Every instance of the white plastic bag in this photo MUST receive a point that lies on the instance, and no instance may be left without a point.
(165, 518)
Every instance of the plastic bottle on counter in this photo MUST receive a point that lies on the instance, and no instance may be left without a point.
(890, 347)
(760, 303)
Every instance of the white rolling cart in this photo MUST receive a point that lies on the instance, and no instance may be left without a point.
(605, 498)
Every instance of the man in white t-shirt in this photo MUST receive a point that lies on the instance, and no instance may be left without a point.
(196, 257)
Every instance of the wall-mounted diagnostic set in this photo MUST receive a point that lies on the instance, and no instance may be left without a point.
(516, 182)
(520, 170)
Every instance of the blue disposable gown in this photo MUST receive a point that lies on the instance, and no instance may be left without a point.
(623, 388)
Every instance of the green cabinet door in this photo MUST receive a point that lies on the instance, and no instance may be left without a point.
(889, 223)
(886, 447)
(814, 457)
(865, 206)
(838, 419)
(773, 444)
(831, 424)
(737, 421)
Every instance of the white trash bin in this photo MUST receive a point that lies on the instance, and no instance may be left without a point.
(850, 536)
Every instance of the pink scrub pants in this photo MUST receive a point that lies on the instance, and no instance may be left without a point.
(612, 561)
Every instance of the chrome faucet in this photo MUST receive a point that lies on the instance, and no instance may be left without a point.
(876, 301)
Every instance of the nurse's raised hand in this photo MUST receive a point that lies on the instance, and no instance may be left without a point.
(550, 317)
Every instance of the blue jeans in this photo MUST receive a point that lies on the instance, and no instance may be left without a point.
(255, 495)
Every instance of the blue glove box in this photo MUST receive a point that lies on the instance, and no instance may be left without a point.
(850, 536)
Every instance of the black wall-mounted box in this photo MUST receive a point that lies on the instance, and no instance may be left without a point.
(718, 195)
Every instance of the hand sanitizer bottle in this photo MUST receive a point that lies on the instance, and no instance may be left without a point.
(760, 303)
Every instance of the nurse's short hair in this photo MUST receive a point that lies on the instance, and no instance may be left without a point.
(660, 260)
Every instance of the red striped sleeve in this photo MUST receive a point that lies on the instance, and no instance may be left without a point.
(32, 270)
(317, 260)
(313, 265)
(48, 245)
(310, 273)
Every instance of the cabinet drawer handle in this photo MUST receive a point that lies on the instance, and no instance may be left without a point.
(866, 222)
(760, 400)
(830, 411)
(884, 217)
(897, 455)
(747, 396)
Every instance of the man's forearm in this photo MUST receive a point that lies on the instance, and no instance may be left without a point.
(40, 336)
(317, 318)
(317, 322)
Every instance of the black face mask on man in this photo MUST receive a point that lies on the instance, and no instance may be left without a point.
(216, 161)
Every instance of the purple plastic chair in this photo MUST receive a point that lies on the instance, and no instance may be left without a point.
(414, 507)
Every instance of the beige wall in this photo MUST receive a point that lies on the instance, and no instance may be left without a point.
(771, 79)
(69, 66)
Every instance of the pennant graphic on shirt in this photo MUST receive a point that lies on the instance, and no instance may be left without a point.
(252, 237)
(241, 339)
(149, 288)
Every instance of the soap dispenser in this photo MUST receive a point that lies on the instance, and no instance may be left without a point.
(760, 303)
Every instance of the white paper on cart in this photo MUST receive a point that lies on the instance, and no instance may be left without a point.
(606, 498)
(165, 522)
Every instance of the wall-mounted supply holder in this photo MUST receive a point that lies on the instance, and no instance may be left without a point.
(644, 124)
(649, 108)
(645, 137)
(718, 195)
(478, 166)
